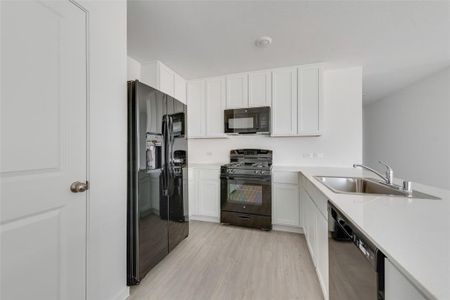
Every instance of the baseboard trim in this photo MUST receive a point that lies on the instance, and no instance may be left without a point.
(288, 228)
(322, 284)
(205, 219)
(123, 294)
(285, 228)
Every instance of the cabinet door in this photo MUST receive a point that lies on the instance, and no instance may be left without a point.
(302, 207)
(170, 105)
(193, 191)
(179, 88)
(310, 226)
(259, 89)
(322, 250)
(285, 204)
(209, 193)
(215, 105)
(196, 108)
(166, 79)
(237, 91)
(160, 111)
(308, 100)
(397, 286)
(284, 101)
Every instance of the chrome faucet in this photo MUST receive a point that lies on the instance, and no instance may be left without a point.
(388, 178)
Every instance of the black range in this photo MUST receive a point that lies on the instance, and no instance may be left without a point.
(246, 189)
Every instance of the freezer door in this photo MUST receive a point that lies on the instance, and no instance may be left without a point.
(177, 150)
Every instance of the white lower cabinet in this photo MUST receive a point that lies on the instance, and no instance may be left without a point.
(208, 198)
(397, 286)
(204, 194)
(322, 252)
(315, 227)
(285, 204)
(285, 210)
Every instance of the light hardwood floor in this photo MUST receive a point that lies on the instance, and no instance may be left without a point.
(226, 262)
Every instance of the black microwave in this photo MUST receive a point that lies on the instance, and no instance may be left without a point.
(255, 120)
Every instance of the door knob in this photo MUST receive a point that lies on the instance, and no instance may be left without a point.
(79, 187)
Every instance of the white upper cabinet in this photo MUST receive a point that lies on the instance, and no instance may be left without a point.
(296, 113)
(309, 95)
(284, 101)
(294, 93)
(215, 105)
(259, 89)
(237, 91)
(196, 108)
(161, 77)
(166, 79)
(206, 103)
(179, 88)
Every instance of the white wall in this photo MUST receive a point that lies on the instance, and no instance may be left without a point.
(411, 131)
(134, 69)
(108, 140)
(340, 143)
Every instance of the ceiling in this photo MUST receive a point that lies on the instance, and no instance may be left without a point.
(397, 43)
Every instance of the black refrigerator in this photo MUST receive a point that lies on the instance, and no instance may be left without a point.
(157, 178)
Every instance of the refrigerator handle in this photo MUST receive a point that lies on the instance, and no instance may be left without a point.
(170, 183)
(165, 154)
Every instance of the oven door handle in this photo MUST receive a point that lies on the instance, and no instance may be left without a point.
(249, 179)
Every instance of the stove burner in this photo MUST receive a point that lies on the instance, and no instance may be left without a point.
(252, 162)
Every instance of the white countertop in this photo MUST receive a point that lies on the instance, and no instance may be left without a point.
(414, 234)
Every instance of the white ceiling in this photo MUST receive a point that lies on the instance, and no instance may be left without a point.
(396, 42)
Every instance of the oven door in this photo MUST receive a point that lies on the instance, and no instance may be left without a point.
(247, 120)
(246, 194)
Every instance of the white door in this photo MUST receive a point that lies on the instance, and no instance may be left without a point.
(43, 150)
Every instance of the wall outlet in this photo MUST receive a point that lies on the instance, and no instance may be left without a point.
(308, 155)
(319, 155)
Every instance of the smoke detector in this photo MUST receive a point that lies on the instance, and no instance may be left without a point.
(263, 42)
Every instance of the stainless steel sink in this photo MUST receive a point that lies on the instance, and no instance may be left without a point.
(358, 185)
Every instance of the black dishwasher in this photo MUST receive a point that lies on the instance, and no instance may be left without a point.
(356, 266)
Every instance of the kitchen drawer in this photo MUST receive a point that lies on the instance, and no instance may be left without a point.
(319, 199)
(247, 220)
(285, 177)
